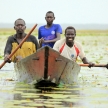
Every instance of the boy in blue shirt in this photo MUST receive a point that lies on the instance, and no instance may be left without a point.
(48, 34)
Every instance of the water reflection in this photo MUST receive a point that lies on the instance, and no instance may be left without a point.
(28, 96)
(91, 92)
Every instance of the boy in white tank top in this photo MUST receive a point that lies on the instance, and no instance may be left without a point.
(69, 48)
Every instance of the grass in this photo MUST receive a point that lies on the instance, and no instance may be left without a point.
(79, 32)
(8, 32)
(92, 33)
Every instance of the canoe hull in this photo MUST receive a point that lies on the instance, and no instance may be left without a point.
(47, 64)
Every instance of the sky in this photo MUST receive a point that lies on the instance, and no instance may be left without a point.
(66, 11)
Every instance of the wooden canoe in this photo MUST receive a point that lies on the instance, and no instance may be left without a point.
(48, 68)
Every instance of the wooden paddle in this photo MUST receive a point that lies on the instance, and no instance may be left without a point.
(96, 65)
(19, 45)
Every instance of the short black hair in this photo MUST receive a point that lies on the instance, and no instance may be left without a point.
(50, 12)
(70, 27)
(19, 19)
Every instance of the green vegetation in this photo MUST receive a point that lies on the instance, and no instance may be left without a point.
(92, 32)
(1, 57)
(79, 32)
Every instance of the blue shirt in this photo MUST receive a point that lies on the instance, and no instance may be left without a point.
(49, 33)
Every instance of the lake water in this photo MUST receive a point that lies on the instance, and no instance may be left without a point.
(90, 92)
